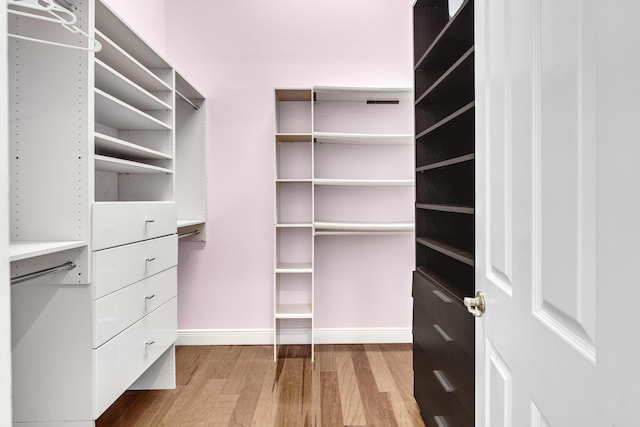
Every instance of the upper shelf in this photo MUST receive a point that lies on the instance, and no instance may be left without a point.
(363, 138)
(453, 40)
(366, 94)
(30, 249)
(113, 112)
(114, 83)
(123, 62)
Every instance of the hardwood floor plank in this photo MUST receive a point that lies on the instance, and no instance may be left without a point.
(237, 376)
(351, 402)
(371, 397)
(267, 405)
(381, 373)
(330, 397)
(289, 412)
(222, 411)
(248, 398)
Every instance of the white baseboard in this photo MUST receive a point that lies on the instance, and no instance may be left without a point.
(294, 336)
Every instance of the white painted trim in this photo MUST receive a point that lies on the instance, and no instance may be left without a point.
(294, 336)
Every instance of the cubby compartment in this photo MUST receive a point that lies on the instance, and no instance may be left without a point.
(293, 295)
(293, 159)
(293, 247)
(451, 228)
(293, 111)
(451, 185)
(293, 202)
(445, 144)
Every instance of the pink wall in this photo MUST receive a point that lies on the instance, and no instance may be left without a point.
(235, 53)
(146, 17)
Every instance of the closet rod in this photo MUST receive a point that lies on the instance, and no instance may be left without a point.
(187, 100)
(193, 233)
(66, 266)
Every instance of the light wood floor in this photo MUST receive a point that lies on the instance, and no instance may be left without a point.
(349, 385)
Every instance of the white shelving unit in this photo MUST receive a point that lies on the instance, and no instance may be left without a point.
(343, 156)
(99, 154)
(293, 171)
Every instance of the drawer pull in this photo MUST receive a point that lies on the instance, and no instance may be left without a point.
(149, 297)
(442, 332)
(444, 382)
(150, 342)
(148, 221)
(443, 296)
(150, 259)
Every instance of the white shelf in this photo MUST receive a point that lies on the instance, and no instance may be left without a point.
(29, 249)
(114, 83)
(118, 58)
(294, 311)
(347, 94)
(112, 164)
(294, 268)
(363, 182)
(363, 138)
(329, 227)
(112, 112)
(119, 147)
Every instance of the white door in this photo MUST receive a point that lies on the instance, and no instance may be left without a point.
(558, 212)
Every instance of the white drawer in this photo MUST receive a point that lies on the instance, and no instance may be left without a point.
(120, 223)
(119, 362)
(118, 310)
(118, 267)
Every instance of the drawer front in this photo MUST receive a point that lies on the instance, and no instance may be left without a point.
(117, 224)
(119, 362)
(443, 332)
(118, 310)
(118, 267)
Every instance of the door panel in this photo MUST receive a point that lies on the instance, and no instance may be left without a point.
(557, 111)
(498, 389)
(564, 191)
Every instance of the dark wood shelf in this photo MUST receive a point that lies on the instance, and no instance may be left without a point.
(449, 162)
(448, 250)
(427, 88)
(447, 208)
(454, 38)
(462, 111)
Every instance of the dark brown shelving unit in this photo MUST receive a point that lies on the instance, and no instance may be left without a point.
(443, 331)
